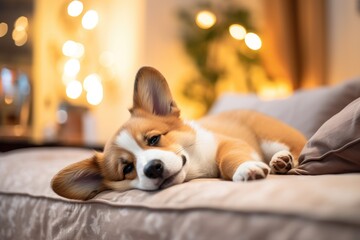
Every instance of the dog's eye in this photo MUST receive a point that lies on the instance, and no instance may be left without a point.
(128, 168)
(154, 140)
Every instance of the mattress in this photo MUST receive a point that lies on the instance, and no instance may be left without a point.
(279, 207)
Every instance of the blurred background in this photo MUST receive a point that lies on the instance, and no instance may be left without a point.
(67, 67)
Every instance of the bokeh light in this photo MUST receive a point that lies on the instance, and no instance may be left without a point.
(21, 23)
(92, 82)
(74, 89)
(75, 8)
(90, 20)
(73, 49)
(237, 31)
(72, 67)
(3, 29)
(205, 19)
(253, 41)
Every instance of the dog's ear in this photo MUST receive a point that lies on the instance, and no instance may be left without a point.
(152, 93)
(81, 180)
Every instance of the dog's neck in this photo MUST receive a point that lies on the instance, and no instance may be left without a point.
(202, 153)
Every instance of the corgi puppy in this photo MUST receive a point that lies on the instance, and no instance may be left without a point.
(156, 149)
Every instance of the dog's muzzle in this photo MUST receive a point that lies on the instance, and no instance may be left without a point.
(154, 169)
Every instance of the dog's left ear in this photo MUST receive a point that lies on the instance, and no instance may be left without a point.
(152, 93)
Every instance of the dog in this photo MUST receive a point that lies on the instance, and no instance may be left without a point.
(156, 149)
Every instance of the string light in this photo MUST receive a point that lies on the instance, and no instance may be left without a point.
(253, 41)
(95, 96)
(205, 19)
(94, 88)
(19, 37)
(91, 82)
(74, 89)
(75, 8)
(237, 31)
(3, 29)
(19, 33)
(21, 23)
(73, 49)
(90, 20)
(72, 67)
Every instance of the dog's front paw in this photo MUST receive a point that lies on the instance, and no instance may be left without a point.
(281, 162)
(251, 170)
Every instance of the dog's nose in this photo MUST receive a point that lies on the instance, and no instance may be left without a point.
(154, 169)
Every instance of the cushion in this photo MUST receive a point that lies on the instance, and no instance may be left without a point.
(335, 147)
(305, 110)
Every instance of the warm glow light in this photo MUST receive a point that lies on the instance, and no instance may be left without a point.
(95, 97)
(3, 29)
(94, 88)
(9, 100)
(75, 8)
(20, 37)
(73, 49)
(107, 59)
(73, 89)
(92, 82)
(72, 67)
(253, 41)
(237, 31)
(205, 19)
(21, 23)
(90, 19)
(276, 90)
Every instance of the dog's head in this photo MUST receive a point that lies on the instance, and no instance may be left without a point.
(148, 152)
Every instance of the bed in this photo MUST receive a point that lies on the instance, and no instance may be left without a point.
(319, 200)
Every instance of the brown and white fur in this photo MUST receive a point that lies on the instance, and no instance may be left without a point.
(156, 149)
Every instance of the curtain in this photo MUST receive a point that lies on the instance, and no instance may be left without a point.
(294, 41)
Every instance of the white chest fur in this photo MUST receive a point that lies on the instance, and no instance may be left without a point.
(202, 154)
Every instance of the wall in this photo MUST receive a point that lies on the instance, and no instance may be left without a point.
(344, 40)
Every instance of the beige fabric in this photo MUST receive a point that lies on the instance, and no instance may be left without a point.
(280, 207)
(335, 147)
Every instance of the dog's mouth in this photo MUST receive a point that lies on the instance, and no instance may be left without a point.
(170, 180)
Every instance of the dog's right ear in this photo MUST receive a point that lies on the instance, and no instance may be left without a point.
(81, 180)
(152, 93)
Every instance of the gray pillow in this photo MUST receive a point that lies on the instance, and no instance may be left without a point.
(335, 147)
(306, 110)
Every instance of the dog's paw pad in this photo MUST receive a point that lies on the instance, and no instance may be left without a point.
(281, 162)
(251, 170)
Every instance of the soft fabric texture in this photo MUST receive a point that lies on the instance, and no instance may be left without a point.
(305, 110)
(335, 147)
(280, 207)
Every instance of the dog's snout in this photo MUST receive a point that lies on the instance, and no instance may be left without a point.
(154, 169)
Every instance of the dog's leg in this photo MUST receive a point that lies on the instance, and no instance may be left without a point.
(238, 161)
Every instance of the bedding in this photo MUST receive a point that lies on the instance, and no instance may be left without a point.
(280, 207)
